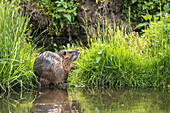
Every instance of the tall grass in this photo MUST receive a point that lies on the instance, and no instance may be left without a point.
(16, 55)
(117, 58)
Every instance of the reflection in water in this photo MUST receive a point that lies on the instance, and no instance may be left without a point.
(17, 102)
(53, 101)
(121, 100)
(87, 100)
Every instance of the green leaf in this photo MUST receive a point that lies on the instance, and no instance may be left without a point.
(55, 45)
(150, 3)
(65, 6)
(58, 5)
(74, 9)
(69, 11)
(147, 17)
(133, 1)
(58, 2)
(159, 14)
(57, 16)
(61, 24)
(166, 7)
(141, 25)
(68, 16)
(144, 7)
(60, 9)
(96, 67)
(70, 4)
(75, 14)
(100, 52)
(97, 59)
(109, 67)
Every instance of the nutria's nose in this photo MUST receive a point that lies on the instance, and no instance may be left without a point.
(78, 53)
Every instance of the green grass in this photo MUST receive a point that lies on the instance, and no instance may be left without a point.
(16, 55)
(117, 58)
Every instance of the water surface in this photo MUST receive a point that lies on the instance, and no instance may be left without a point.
(86, 100)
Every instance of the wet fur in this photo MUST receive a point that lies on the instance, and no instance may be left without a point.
(53, 68)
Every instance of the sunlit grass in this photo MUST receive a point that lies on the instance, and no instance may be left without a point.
(16, 54)
(117, 58)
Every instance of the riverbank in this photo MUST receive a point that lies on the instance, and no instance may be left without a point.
(112, 57)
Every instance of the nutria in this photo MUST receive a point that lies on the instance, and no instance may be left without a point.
(52, 68)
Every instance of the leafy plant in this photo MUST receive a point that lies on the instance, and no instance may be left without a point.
(143, 7)
(62, 13)
(146, 18)
(158, 30)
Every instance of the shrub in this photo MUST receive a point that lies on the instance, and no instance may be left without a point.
(61, 13)
(143, 7)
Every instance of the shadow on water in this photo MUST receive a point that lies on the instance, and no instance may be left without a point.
(87, 100)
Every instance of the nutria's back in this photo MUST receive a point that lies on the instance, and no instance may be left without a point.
(53, 68)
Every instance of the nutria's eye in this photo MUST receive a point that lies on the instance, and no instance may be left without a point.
(64, 53)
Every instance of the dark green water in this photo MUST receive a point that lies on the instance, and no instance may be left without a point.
(86, 100)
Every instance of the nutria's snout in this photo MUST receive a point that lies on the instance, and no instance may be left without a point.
(78, 53)
(76, 56)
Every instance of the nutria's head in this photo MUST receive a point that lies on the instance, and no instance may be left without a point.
(70, 54)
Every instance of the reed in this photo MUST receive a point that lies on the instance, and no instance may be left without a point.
(117, 58)
(16, 54)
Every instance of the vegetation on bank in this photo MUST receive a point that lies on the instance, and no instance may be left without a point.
(139, 8)
(113, 57)
(63, 13)
(117, 58)
(16, 54)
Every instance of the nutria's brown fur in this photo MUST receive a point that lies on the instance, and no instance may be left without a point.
(53, 68)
